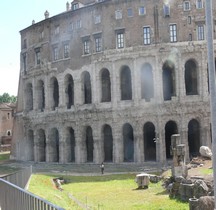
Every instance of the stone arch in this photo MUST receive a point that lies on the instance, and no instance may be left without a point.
(54, 86)
(41, 95)
(126, 84)
(30, 145)
(69, 90)
(105, 85)
(29, 97)
(170, 129)
(147, 83)
(70, 145)
(191, 78)
(86, 87)
(41, 145)
(89, 144)
(168, 80)
(54, 145)
(149, 141)
(194, 137)
(108, 143)
(128, 142)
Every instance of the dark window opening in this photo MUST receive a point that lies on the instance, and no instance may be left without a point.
(191, 78)
(170, 129)
(41, 145)
(69, 83)
(128, 141)
(108, 144)
(193, 137)
(168, 81)
(149, 142)
(54, 146)
(106, 86)
(89, 144)
(29, 97)
(126, 86)
(55, 93)
(87, 88)
(41, 96)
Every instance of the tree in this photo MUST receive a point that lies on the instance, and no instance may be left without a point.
(6, 98)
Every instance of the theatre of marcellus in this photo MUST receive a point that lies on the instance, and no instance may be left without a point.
(112, 81)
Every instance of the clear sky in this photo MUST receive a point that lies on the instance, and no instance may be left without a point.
(15, 16)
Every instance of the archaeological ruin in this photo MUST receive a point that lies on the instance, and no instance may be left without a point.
(112, 81)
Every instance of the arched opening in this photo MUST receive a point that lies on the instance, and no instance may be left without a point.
(69, 91)
(8, 133)
(170, 129)
(168, 80)
(149, 141)
(89, 144)
(126, 87)
(30, 145)
(191, 78)
(70, 145)
(147, 84)
(105, 86)
(54, 145)
(29, 97)
(41, 96)
(194, 137)
(54, 93)
(87, 93)
(128, 142)
(108, 143)
(41, 145)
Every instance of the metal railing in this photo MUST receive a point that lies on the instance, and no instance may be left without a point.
(14, 196)
(19, 178)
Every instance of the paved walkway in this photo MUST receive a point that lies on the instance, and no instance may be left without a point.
(87, 168)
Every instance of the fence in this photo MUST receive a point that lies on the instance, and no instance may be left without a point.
(13, 196)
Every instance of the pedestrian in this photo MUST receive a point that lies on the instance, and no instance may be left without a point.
(102, 168)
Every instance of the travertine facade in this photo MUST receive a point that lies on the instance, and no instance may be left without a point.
(111, 81)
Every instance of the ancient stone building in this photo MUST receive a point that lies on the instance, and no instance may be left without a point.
(112, 80)
(6, 125)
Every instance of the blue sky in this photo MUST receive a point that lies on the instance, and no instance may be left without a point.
(15, 16)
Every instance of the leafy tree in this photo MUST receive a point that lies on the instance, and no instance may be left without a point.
(6, 98)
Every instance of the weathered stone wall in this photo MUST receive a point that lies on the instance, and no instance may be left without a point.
(166, 116)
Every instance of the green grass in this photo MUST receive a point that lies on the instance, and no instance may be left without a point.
(206, 171)
(4, 156)
(106, 192)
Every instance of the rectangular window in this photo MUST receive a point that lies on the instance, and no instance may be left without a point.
(120, 40)
(97, 19)
(56, 32)
(118, 14)
(75, 6)
(78, 24)
(190, 37)
(24, 61)
(86, 46)
(66, 51)
(38, 56)
(24, 44)
(142, 10)
(186, 6)
(146, 35)
(98, 44)
(173, 32)
(200, 32)
(199, 4)
(41, 35)
(189, 19)
(166, 10)
(130, 12)
(55, 53)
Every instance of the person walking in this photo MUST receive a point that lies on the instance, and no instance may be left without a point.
(102, 168)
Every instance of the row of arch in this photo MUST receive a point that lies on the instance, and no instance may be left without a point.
(146, 83)
(47, 146)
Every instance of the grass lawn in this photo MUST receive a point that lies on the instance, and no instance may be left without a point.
(107, 192)
(4, 156)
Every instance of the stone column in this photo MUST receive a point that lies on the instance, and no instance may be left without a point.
(97, 153)
(62, 146)
(78, 93)
(80, 147)
(36, 148)
(138, 144)
(114, 77)
(135, 77)
(205, 136)
(184, 140)
(162, 146)
(118, 155)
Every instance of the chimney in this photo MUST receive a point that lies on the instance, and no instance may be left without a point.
(33, 22)
(46, 14)
(67, 6)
